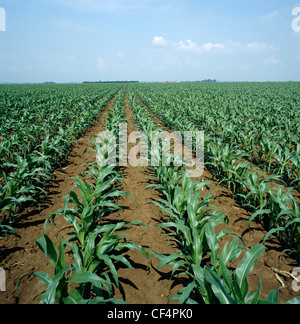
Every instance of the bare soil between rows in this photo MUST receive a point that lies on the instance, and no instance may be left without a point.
(272, 267)
(145, 285)
(20, 255)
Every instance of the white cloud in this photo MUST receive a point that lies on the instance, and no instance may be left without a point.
(227, 47)
(272, 61)
(159, 41)
(72, 25)
(187, 45)
(101, 63)
(209, 46)
(155, 6)
(20, 69)
(190, 46)
(270, 16)
(120, 54)
(259, 47)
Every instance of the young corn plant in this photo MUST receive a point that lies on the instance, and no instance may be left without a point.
(92, 289)
(239, 171)
(216, 283)
(6, 203)
(201, 247)
(271, 149)
(286, 223)
(198, 291)
(167, 177)
(295, 160)
(276, 206)
(189, 215)
(222, 161)
(229, 288)
(228, 160)
(14, 194)
(49, 153)
(192, 244)
(25, 184)
(97, 248)
(256, 195)
(283, 158)
(96, 200)
(232, 288)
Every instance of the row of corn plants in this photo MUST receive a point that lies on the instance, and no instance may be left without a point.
(275, 207)
(28, 165)
(31, 112)
(261, 119)
(232, 113)
(202, 263)
(97, 246)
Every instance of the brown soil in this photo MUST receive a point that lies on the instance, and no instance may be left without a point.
(273, 261)
(20, 255)
(145, 285)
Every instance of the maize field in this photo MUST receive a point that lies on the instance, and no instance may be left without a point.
(77, 231)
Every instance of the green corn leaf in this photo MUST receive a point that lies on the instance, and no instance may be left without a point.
(253, 297)
(231, 252)
(50, 294)
(107, 260)
(74, 298)
(44, 277)
(122, 259)
(217, 287)
(273, 297)
(227, 275)
(186, 292)
(294, 301)
(258, 213)
(88, 277)
(61, 262)
(212, 243)
(271, 232)
(245, 267)
(48, 247)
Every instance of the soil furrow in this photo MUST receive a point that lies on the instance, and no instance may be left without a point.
(20, 255)
(144, 285)
(272, 259)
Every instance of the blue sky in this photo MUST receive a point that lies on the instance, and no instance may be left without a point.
(149, 40)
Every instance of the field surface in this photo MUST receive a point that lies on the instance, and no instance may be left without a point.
(75, 230)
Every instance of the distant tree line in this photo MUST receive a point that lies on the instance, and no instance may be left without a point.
(110, 82)
(204, 81)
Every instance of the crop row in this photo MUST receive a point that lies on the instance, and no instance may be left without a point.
(28, 114)
(192, 225)
(259, 120)
(39, 131)
(96, 245)
(275, 207)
